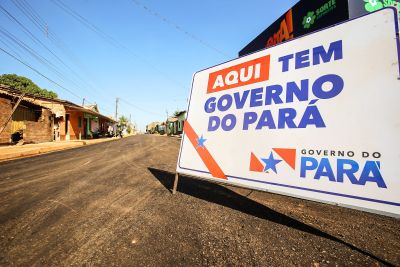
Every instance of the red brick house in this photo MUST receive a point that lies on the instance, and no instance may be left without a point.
(41, 119)
(33, 121)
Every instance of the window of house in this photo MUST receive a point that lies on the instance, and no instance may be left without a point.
(79, 122)
(23, 113)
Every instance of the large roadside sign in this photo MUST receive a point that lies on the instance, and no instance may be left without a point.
(315, 118)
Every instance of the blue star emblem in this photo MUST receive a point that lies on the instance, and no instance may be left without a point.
(200, 142)
(270, 163)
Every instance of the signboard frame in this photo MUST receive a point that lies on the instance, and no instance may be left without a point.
(232, 183)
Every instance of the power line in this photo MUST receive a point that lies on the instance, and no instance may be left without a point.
(86, 22)
(9, 47)
(31, 35)
(37, 41)
(34, 54)
(139, 108)
(178, 28)
(89, 25)
(41, 74)
(38, 57)
(35, 18)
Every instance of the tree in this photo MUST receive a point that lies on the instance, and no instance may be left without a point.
(124, 124)
(177, 112)
(123, 121)
(25, 85)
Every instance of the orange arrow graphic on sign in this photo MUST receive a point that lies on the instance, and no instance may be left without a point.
(203, 152)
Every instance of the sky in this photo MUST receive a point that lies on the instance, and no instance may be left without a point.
(143, 52)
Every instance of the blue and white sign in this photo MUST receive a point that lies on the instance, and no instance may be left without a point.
(317, 117)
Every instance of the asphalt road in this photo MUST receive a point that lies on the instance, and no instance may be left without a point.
(110, 204)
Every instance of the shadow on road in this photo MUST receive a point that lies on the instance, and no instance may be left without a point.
(221, 195)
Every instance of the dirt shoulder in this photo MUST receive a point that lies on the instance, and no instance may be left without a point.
(28, 150)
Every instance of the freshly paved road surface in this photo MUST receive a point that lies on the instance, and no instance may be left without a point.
(109, 204)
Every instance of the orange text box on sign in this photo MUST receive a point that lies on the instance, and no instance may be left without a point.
(253, 71)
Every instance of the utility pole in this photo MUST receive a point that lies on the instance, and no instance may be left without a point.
(116, 114)
(116, 109)
(83, 102)
(130, 123)
(166, 123)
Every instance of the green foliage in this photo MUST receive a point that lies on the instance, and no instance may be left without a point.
(176, 113)
(25, 85)
(123, 121)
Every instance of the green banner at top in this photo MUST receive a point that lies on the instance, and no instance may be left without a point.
(361, 7)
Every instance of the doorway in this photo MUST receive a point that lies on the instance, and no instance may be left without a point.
(67, 137)
(85, 122)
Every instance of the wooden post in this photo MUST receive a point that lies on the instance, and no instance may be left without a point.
(175, 183)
